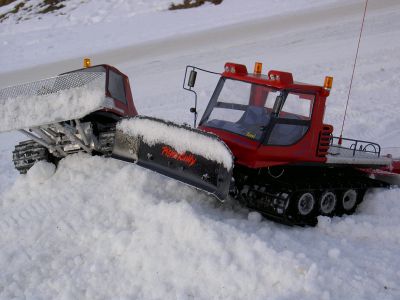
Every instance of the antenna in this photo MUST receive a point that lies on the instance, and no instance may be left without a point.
(354, 68)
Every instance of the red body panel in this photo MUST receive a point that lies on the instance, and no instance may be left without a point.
(396, 166)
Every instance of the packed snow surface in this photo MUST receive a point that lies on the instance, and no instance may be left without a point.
(46, 106)
(98, 228)
(181, 139)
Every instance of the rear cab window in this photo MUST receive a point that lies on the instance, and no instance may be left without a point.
(116, 86)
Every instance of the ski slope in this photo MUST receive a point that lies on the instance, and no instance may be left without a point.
(96, 228)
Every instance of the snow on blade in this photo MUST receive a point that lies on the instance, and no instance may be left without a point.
(180, 139)
(61, 98)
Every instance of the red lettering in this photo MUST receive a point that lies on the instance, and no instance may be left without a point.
(188, 159)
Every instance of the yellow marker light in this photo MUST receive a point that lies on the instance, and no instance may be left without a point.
(86, 63)
(328, 83)
(257, 68)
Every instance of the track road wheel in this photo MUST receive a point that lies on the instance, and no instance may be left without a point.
(348, 201)
(327, 203)
(304, 205)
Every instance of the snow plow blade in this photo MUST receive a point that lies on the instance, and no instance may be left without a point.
(188, 155)
(52, 100)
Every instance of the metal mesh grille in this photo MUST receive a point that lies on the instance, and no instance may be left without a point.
(51, 85)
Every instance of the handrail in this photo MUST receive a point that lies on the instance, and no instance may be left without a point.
(356, 146)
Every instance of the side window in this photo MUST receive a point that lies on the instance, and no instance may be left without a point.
(286, 134)
(293, 120)
(230, 115)
(116, 86)
(297, 106)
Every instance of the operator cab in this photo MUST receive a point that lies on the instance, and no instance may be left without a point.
(260, 112)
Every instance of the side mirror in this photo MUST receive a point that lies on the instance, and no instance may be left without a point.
(277, 105)
(192, 78)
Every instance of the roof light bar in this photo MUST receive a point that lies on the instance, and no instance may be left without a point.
(236, 69)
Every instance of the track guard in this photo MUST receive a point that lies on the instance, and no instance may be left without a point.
(144, 140)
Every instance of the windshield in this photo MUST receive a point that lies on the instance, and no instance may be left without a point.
(247, 109)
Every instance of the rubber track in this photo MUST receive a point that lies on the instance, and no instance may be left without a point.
(27, 153)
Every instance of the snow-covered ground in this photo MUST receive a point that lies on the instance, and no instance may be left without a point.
(102, 229)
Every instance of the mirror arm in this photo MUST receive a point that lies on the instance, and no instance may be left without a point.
(194, 109)
(189, 84)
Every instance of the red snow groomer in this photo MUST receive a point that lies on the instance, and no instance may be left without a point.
(261, 139)
(288, 165)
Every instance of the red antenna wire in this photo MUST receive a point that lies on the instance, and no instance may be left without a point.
(354, 68)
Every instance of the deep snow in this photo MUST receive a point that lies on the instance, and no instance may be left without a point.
(99, 228)
(80, 233)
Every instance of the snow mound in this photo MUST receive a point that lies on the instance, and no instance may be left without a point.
(254, 216)
(41, 171)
